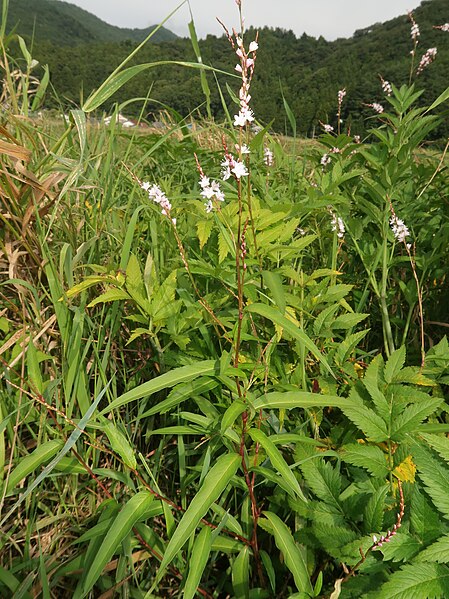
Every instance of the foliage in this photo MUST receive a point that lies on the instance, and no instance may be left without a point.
(244, 401)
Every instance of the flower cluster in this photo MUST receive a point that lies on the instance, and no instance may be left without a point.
(341, 94)
(210, 190)
(327, 128)
(268, 156)
(246, 68)
(157, 196)
(338, 225)
(427, 59)
(386, 87)
(231, 166)
(376, 107)
(325, 159)
(444, 27)
(414, 30)
(399, 228)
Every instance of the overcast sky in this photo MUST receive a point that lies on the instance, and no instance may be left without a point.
(330, 18)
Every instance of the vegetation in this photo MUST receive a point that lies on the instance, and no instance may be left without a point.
(233, 389)
(307, 72)
(65, 24)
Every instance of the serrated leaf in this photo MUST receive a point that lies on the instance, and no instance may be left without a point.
(347, 346)
(366, 456)
(412, 416)
(293, 557)
(198, 560)
(347, 321)
(439, 443)
(365, 419)
(374, 510)
(402, 547)
(131, 512)
(437, 552)
(435, 477)
(394, 364)
(223, 247)
(420, 581)
(213, 485)
(278, 462)
(203, 230)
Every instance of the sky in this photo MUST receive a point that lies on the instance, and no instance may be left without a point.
(329, 18)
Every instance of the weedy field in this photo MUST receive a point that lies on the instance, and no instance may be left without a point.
(223, 362)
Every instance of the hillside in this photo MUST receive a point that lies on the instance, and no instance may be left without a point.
(63, 23)
(307, 71)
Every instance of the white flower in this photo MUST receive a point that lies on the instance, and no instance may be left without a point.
(444, 27)
(239, 170)
(338, 225)
(328, 128)
(209, 206)
(399, 228)
(145, 185)
(427, 59)
(243, 149)
(253, 46)
(238, 68)
(386, 87)
(325, 159)
(204, 181)
(243, 117)
(268, 157)
(377, 107)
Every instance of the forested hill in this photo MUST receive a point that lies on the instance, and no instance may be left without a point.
(66, 24)
(307, 71)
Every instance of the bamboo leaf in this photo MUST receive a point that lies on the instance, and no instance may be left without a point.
(165, 381)
(232, 413)
(120, 444)
(214, 484)
(293, 557)
(240, 574)
(297, 399)
(131, 512)
(32, 462)
(198, 560)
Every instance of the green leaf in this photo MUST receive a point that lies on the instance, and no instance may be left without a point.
(443, 97)
(394, 364)
(402, 547)
(214, 484)
(32, 462)
(440, 444)
(111, 295)
(232, 413)
(165, 381)
(374, 510)
(278, 462)
(240, 574)
(297, 399)
(203, 231)
(276, 317)
(412, 416)
(347, 346)
(366, 456)
(417, 581)
(347, 321)
(274, 283)
(120, 444)
(437, 552)
(198, 560)
(180, 394)
(269, 569)
(365, 419)
(293, 556)
(131, 512)
(435, 477)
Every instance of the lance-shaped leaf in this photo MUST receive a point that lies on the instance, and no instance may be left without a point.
(278, 462)
(198, 560)
(214, 484)
(131, 512)
(293, 558)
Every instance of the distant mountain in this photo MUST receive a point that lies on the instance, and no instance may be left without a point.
(66, 24)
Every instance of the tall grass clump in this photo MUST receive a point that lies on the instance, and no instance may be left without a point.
(223, 368)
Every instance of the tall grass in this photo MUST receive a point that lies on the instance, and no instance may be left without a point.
(224, 390)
